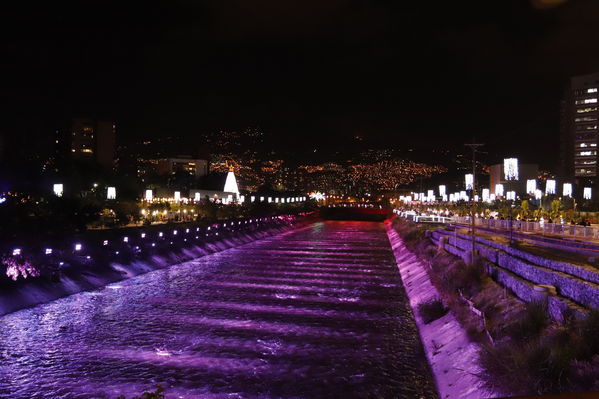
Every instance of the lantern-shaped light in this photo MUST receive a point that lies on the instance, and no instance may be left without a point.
(149, 195)
(550, 187)
(442, 190)
(586, 194)
(510, 168)
(111, 193)
(531, 186)
(486, 193)
(499, 190)
(58, 189)
(567, 190)
(469, 178)
(538, 194)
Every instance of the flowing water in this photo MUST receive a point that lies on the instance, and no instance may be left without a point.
(313, 313)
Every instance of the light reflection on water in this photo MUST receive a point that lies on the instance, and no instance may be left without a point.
(318, 312)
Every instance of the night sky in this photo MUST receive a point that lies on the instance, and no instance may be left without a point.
(311, 74)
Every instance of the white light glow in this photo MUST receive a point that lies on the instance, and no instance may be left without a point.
(499, 190)
(531, 186)
(538, 194)
(587, 193)
(78, 247)
(567, 190)
(231, 184)
(149, 195)
(442, 190)
(177, 195)
(48, 251)
(469, 179)
(58, 189)
(111, 193)
(550, 187)
(486, 194)
(511, 195)
(510, 168)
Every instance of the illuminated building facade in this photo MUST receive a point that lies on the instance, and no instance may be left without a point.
(88, 140)
(579, 120)
(195, 167)
(497, 176)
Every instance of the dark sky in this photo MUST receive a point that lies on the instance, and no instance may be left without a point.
(310, 73)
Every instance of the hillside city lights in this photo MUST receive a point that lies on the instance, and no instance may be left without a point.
(510, 168)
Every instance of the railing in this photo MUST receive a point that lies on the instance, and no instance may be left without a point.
(424, 218)
(565, 230)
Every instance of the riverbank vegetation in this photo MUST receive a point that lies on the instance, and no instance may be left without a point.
(523, 352)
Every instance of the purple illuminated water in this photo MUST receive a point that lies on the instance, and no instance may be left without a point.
(317, 312)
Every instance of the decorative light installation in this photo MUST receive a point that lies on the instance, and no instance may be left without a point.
(111, 193)
(567, 190)
(492, 197)
(16, 251)
(531, 186)
(78, 247)
(499, 190)
(586, 193)
(550, 187)
(510, 168)
(444, 197)
(58, 189)
(252, 198)
(196, 197)
(511, 195)
(469, 178)
(149, 195)
(463, 195)
(231, 184)
(318, 196)
(442, 190)
(48, 251)
(177, 195)
(486, 193)
(261, 199)
(538, 194)
(431, 195)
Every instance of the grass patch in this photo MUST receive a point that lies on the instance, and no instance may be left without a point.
(432, 310)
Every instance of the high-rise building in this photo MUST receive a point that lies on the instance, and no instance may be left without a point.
(88, 139)
(579, 120)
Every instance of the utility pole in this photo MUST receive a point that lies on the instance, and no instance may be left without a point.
(473, 146)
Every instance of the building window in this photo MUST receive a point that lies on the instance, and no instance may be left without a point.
(592, 90)
(585, 119)
(587, 101)
(585, 110)
(586, 153)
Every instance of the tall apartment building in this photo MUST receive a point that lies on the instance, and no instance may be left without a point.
(579, 121)
(88, 139)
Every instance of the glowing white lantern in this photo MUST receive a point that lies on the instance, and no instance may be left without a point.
(442, 190)
(531, 186)
(451, 198)
(229, 198)
(499, 190)
(550, 187)
(261, 199)
(431, 195)
(538, 194)
(196, 197)
(269, 200)
(486, 193)
(469, 181)
(567, 191)
(510, 168)
(241, 199)
(511, 195)
(444, 197)
(177, 195)
(252, 198)
(58, 189)
(463, 195)
(492, 197)
(111, 193)
(149, 195)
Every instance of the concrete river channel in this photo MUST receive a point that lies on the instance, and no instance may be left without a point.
(317, 312)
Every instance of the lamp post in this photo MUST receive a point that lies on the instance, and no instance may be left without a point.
(473, 147)
(510, 170)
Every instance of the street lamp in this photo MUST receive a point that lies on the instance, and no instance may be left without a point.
(510, 170)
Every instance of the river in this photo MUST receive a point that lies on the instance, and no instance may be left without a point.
(317, 312)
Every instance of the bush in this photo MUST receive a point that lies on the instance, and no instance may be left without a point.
(530, 323)
(432, 310)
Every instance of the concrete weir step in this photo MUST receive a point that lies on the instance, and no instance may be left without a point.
(576, 285)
